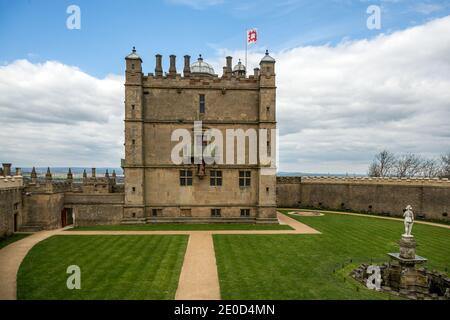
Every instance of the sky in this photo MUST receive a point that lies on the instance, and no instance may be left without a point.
(344, 93)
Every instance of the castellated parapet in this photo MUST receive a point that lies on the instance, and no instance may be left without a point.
(430, 197)
(445, 182)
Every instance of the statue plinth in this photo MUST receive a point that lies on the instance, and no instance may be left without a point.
(407, 256)
(407, 247)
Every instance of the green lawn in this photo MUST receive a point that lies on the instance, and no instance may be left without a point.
(183, 227)
(15, 237)
(112, 267)
(317, 266)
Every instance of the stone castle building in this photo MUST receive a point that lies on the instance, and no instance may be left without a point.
(158, 190)
(159, 103)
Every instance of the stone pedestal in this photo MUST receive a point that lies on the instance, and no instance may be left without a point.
(403, 275)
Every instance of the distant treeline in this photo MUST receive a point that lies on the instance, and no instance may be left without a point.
(389, 164)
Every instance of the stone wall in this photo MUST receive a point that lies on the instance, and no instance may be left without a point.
(430, 198)
(95, 209)
(42, 211)
(10, 206)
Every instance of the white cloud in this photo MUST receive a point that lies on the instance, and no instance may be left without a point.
(54, 114)
(339, 105)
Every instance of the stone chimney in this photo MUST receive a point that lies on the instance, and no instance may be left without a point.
(187, 66)
(256, 72)
(173, 65)
(6, 169)
(229, 65)
(18, 172)
(1, 171)
(69, 175)
(158, 68)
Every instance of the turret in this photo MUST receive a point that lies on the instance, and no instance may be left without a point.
(107, 174)
(133, 73)
(239, 70)
(48, 175)
(33, 176)
(267, 66)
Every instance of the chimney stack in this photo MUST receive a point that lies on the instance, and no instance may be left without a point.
(256, 72)
(18, 171)
(187, 66)
(173, 66)
(69, 175)
(6, 169)
(158, 68)
(229, 65)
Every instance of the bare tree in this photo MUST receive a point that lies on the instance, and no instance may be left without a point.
(445, 166)
(408, 165)
(383, 164)
(430, 168)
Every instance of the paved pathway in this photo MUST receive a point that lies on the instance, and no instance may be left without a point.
(198, 278)
(11, 257)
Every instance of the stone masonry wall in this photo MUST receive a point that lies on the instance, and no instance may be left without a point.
(95, 209)
(10, 205)
(430, 198)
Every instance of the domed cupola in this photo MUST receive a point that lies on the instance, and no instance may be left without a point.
(239, 69)
(201, 68)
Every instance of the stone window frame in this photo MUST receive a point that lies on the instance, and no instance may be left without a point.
(202, 103)
(156, 212)
(216, 212)
(186, 177)
(245, 178)
(215, 178)
(245, 212)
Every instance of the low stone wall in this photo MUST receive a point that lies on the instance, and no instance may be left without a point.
(95, 209)
(430, 198)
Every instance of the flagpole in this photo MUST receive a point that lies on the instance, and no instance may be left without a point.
(246, 48)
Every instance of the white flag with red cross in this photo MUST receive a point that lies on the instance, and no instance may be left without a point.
(252, 36)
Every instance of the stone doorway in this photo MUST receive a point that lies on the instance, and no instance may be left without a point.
(15, 222)
(66, 217)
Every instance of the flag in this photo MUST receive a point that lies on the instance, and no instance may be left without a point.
(252, 36)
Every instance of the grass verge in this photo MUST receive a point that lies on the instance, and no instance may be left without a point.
(112, 267)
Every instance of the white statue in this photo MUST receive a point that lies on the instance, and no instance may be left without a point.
(409, 221)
